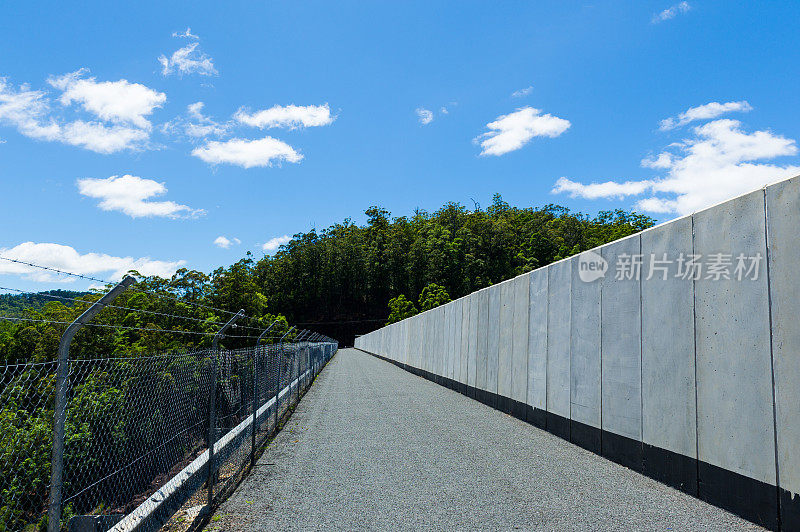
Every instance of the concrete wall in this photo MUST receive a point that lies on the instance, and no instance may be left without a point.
(692, 377)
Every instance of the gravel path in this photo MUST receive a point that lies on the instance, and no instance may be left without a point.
(372, 447)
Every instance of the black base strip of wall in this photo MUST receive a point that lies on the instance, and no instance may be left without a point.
(748, 498)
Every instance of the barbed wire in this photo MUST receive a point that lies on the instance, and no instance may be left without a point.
(95, 279)
(109, 305)
(127, 327)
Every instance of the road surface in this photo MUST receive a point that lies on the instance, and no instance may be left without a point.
(372, 447)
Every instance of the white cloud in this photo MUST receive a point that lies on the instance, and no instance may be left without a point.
(130, 194)
(187, 60)
(198, 125)
(671, 12)
(101, 138)
(274, 243)
(29, 112)
(225, 243)
(291, 116)
(720, 161)
(522, 92)
(704, 112)
(512, 131)
(424, 116)
(113, 101)
(247, 153)
(68, 259)
(186, 34)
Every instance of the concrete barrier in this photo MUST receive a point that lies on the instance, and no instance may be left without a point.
(584, 361)
(537, 348)
(505, 354)
(482, 327)
(464, 356)
(520, 286)
(559, 303)
(691, 376)
(492, 343)
(735, 427)
(669, 415)
(783, 220)
(472, 364)
(621, 354)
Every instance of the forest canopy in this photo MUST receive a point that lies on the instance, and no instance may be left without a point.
(338, 281)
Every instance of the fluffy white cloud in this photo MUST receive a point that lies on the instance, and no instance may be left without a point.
(291, 116)
(720, 161)
(187, 60)
(671, 12)
(522, 92)
(247, 153)
(424, 115)
(704, 112)
(29, 112)
(68, 259)
(512, 131)
(274, 243)
(130, 194)
(225, 243)
(113, 101)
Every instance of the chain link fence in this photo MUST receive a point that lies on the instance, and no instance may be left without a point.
(138, 431)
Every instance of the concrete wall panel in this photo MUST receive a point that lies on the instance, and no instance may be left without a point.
(472, 365)
(457, 321)
(537, 340)
(585, 349)
(493, 339)
(783, 221)
(505, 358)
(621, 355)
(482, 328)
(519, 341)
(464, 340)
(558, 330)
(734, 383)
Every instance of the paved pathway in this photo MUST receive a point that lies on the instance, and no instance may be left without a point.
(372, 447)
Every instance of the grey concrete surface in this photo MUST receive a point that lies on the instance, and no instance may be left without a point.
(621, 355)
(482, 326)
(537, 340)
(372, 447)
(735, 428)
(493, 340)
(669, 419)
(505, 357)
(783, 219)
(519, 338)
(559, 304)
(584, 356)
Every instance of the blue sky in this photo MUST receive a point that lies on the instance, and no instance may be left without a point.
(313, 111)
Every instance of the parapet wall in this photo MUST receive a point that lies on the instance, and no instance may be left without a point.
(691, 377)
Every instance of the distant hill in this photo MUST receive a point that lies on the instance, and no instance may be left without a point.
(14, 305)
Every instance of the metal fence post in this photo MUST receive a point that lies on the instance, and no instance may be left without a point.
(212, 406)
(255, 394)
(60, 409)
(278, 387)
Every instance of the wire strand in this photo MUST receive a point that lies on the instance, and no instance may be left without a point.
(95, 279)
(127, 327)
(109, 305)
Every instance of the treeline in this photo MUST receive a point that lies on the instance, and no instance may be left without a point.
(338, 281)
(160, 315)
(343, 277)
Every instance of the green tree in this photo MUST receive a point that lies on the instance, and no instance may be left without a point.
(400, 308)
(432, 296)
